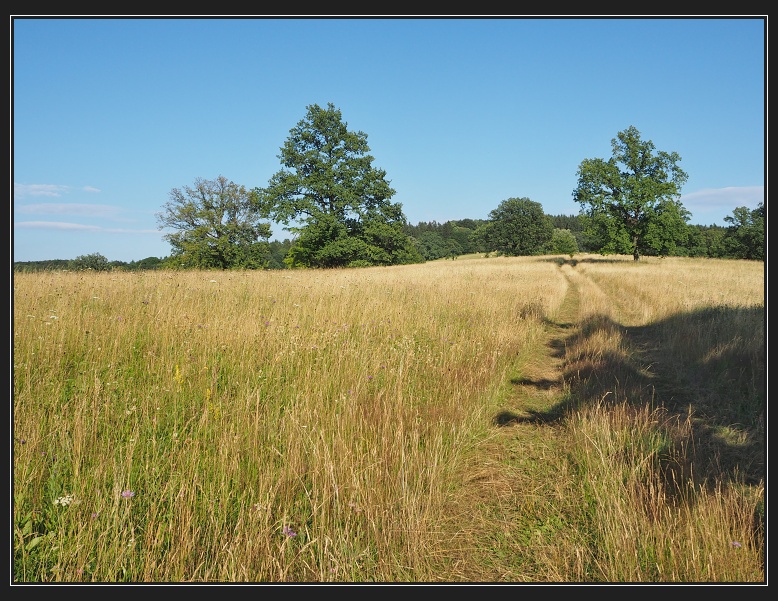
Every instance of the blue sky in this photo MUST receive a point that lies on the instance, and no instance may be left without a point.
(109, 115)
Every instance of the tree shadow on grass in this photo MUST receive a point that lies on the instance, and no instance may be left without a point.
(573, 261)
(708, 364)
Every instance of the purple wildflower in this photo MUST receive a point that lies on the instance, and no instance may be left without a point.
(736, 544)
(127, 494)
(289, 532)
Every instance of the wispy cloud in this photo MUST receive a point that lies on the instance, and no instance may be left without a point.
(711, 206)
(64, 226)
(713, 200)
(55, 190)
(86, 210)
(23, 190)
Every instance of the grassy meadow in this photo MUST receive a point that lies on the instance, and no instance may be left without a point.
(513, 420)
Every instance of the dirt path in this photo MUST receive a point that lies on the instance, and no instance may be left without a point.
(541, 386)
(502, 488)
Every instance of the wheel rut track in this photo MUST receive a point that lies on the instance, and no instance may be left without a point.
(499, 485)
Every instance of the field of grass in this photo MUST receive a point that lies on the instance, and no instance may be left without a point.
(508, 420)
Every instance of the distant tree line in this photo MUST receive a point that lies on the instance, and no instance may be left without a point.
(337, 207)
(743, 238)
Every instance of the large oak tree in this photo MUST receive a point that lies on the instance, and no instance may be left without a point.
(339, 203)
(630, 203)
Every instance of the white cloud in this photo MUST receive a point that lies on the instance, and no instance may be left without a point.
(724, 198)
(22, 190)
(64, 226)
(87, 210)
(55, 225)
(56, 190)
(713, 204)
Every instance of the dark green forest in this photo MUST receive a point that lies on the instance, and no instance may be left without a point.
(742, 239)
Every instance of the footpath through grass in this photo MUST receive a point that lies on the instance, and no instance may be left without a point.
(605, 460)
(506, 525)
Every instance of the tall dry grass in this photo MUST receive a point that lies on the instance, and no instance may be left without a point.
(313, 426)
(666, 429)
(624, 454)
(239, 406)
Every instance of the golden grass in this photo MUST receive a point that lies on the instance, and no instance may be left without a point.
(340, 425)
